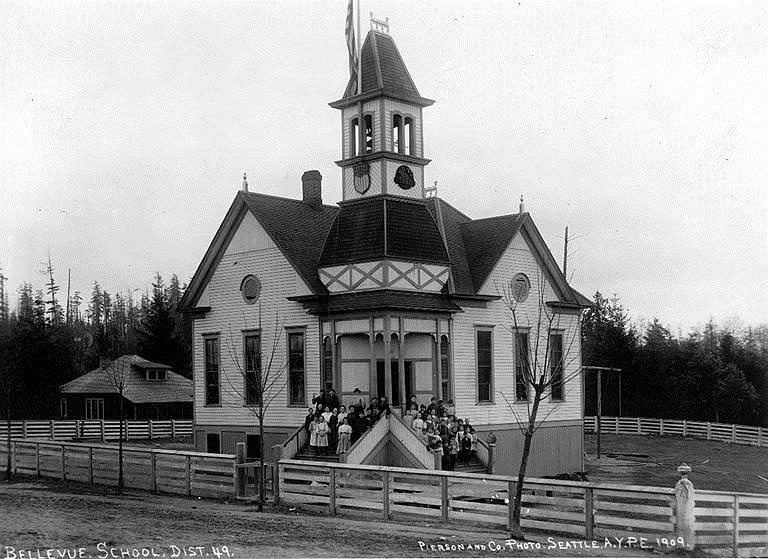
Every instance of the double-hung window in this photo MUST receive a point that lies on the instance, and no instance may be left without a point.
(484, 352)
(522, 366)
(556, 365)
(296, 369)
(253, 375)
(212, 388)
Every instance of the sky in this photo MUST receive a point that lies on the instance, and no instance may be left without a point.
(125, 129)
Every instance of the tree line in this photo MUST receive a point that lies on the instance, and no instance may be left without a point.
(715, 373)
(49, 340)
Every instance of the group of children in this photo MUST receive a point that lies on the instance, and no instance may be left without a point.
(438, 425)
(334, 428)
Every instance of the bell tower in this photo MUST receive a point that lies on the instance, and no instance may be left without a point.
(382, 126)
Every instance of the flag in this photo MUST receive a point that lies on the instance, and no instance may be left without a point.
(349, 32)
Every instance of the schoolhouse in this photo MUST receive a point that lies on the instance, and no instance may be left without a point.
(391, 291)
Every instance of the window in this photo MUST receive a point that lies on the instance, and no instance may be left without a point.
(368, 122)
(522, 366)
(445, 369)
(354, 131)
(252, 360)
(408, 136)
(213, 443)
(556, 365)
(63, 408)
(519, 287)
(94, 408)
(155, 374)
(327, 379)
(250, 289)
(397, 124)
(484, 339)
(296, 396)
(212, 396)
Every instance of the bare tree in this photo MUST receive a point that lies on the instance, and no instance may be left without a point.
(117, 372)
(544, 358)
(262, 380)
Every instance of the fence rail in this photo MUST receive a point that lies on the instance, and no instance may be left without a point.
(103, 430)
(735, 523)
(724, 432)
(167, 471)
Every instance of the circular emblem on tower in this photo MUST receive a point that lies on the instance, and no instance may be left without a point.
(362, 177)
(404, 177)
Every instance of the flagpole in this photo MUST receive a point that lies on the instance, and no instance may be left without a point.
(359, 53)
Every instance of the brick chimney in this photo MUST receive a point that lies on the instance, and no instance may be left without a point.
(311, 186)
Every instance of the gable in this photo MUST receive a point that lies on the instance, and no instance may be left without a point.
(520, 257)
(249, 236)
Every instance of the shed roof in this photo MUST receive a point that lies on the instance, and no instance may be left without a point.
(137, 389)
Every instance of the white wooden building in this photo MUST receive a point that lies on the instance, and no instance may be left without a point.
(390, 291)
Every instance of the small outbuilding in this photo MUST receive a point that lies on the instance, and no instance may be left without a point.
(150, 391)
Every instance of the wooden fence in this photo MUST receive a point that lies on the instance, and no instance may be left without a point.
(103, 430)
(724, 432)
(736, 522)
(167, 471)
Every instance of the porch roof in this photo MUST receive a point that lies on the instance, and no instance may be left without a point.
(378, 300)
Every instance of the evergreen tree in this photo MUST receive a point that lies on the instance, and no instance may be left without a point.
(156, 335)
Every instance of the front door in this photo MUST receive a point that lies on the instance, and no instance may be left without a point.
(381, 381)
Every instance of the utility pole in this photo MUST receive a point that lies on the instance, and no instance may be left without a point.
(69, 280)
(565, 255)
(600, 371)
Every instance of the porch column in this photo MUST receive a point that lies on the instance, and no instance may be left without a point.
(437, 371)
(387, 358)
(335, 368)
(401, 367)
(372, 369)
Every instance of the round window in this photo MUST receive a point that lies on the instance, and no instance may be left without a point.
(520, 287)
(250, 287)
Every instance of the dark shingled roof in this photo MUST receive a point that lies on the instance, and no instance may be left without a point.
(136, 387)
(381, 299)
(383, 70)
(485, 240)
(298, 230)
(383, 227)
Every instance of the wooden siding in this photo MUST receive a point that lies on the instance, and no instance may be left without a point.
(557, 448)
(229, 315)
(349, 182)
(517, 258)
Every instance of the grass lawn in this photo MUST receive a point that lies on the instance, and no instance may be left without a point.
(716, 466)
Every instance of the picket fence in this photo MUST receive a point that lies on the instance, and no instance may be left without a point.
(103, 430)
(724, 432)
(167, 471)
(735, 523)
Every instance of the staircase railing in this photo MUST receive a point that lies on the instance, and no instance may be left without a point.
(367, 442)
(412, 442)
(293, 444)
(482, 452)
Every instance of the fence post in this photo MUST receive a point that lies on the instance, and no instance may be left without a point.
(685, 427)
(491, 458)
(189, 475)
(616, 424)
(385, 493)
(589, 513)
(90, 465)
(63, 462)
(125, 430)
(438, 454)
(510, 503)
(150, 429)
(639, 429)
(759, 436)
(735, 525)
(444, 497)
(101, 423)
(52, 429)
(173, 428)
(23, 429)
(733, 432)
(37, 459)
(14, 461)
(240, 473)
(661, 427)
(709, 431)
(332, 490)
(685, 498)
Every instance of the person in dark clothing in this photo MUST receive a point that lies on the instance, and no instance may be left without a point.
(309, 418)
(320, 401)
(332, 400)
(384, 408)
